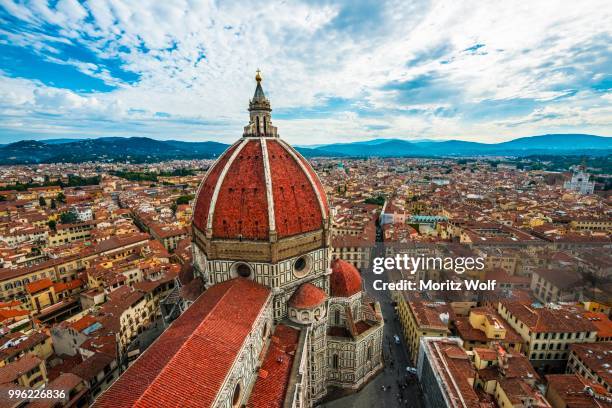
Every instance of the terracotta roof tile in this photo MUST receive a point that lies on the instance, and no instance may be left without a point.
(205, 339)
(270, 388)
(39, 285)
(307, 296)
(345, 280)
(241, 207)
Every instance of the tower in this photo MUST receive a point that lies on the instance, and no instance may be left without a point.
(260, 117)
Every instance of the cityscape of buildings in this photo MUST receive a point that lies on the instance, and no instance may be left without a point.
(246, 281)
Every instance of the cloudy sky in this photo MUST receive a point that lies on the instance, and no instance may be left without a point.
(334, 71)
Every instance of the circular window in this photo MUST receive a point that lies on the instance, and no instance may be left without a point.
(236, 396)
(301, 266)
(243, 270)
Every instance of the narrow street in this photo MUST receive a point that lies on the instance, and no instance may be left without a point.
(394, 376)
(401, 388)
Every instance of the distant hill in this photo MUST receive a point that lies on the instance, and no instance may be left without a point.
(559, 142)
(142, 149)
(134, 149)
(545, 144)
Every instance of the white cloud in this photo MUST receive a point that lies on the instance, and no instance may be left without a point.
(196, 62)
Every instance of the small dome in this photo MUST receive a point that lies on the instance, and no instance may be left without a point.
(307, 296)
(345, 279)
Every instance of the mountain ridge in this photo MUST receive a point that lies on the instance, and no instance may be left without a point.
(144, 149)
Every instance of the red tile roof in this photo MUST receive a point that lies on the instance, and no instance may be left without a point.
(83, 323)
(92, 366)
(602, 322)
(573, 391)
(16, 369)
(205, 339)
(11, 313)
(241, 207)
(39, 285)
(562, 319)
(271, 387)
(307, 296)
(61, 286)
(345, 280)
(597, 357)
(200, 214)
(296, 206)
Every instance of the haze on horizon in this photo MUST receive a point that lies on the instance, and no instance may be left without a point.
(334, 71)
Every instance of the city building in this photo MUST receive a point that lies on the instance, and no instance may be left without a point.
(548, 331)
(592, 361)
(420, 318)
(447, 375)
(484, 327)
(580, 183)
(571, 390)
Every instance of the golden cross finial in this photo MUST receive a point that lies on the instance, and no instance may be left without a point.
(258, 75)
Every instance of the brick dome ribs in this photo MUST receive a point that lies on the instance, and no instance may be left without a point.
(240, 210)
(257, 186)
(296, 206)
(207, 188)
(307, 296)
(345, 280)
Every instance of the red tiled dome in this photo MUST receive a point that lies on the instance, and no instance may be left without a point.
(258, 186)
(307, 296)
(345, 279)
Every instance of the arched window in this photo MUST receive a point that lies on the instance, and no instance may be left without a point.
(264, 333)
(337, 317)
(257, 124)
(369, 352)
(335, 362)
(236, 396)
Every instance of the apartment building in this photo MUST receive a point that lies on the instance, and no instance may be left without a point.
(548, 331)
(592, 361)
(419, 319)
(484, 327)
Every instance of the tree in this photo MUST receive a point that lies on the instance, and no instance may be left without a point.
(2, 198)
(68, 217)
(52, 225)
(42, 202)
(61, 197)
(173, 207)
(53, 204)
(380, 200)
(184, 199)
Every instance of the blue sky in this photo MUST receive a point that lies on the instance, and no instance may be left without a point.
(334, 71)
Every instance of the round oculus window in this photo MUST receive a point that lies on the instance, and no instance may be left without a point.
(302, 266)
(243, 270)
